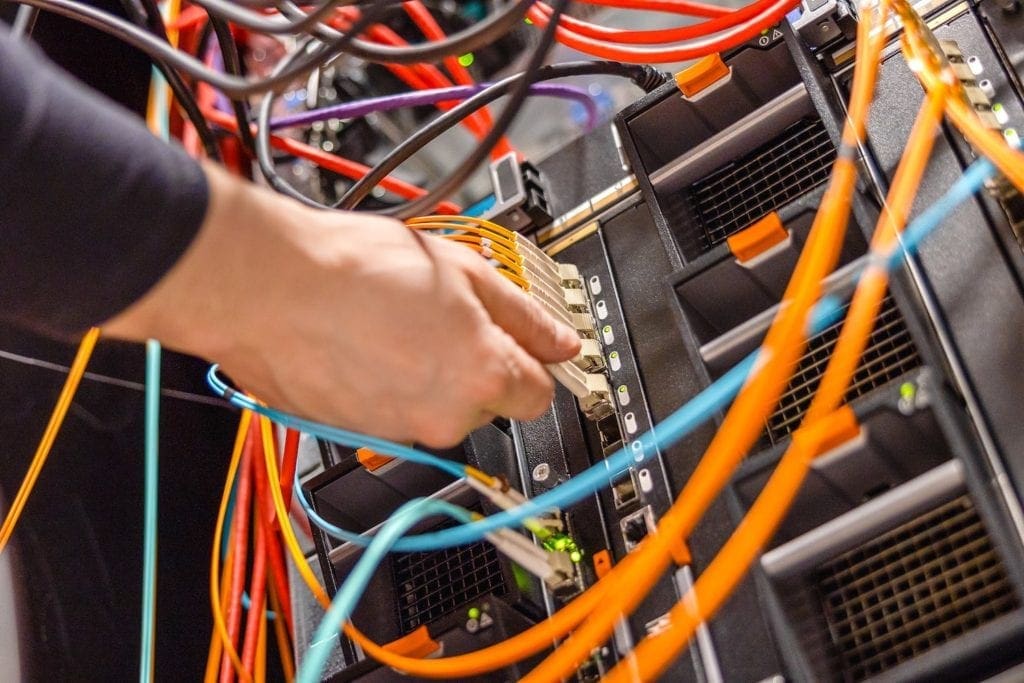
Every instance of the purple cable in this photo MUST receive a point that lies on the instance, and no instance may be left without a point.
(351, 110)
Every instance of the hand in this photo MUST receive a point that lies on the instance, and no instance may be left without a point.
(352, 319)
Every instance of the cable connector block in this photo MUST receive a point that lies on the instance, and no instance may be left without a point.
(823, 22)
(590, 358)
(585, 324)
(591, 389)
(554, 568)
(576, 300)
(570, 275)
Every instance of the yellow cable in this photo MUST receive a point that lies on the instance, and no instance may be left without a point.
(215, 593)
(287, 533)
(260, 674)
(284, 646)
(60, 410)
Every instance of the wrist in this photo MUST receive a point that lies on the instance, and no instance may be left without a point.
(206, 304)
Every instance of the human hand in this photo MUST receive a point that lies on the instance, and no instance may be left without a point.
(352, 319)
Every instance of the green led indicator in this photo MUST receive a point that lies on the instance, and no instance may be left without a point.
(997, 107)
(764, 32)
(474, 612)
(466, 59)
(576, 556)
(528, 21)
(622, 389)
(908, 391)
(606, 328)
(613, 354)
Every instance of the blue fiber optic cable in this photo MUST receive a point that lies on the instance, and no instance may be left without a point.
(680, 423)
(348, 596)
(152, 450)
(333, 434)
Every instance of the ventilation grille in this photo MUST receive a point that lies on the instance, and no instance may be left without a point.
(431, 585)
(922, 584)
(774, 174)
(890, 353)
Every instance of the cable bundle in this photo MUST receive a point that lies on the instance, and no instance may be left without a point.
(557, 287)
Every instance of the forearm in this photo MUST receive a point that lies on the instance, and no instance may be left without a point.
(93, 209)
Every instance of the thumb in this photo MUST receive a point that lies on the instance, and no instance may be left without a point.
(526, 320)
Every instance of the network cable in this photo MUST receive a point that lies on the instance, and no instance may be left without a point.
(151, 491)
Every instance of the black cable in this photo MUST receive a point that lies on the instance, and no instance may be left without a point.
(183, 95)
(646, 77)
(24, 21)
(469, 39)
(264, 155)
(272, 25)
(516, 99)
(233, 65)
(479, 34)
(232, 86)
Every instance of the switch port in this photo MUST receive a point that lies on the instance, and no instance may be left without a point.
(636, 526)
(611, 435)
(624, 493)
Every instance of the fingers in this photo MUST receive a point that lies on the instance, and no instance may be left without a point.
(521, 388)
(546, 339)
(526, 320)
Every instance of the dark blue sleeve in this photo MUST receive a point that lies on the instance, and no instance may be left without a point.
(93, 208)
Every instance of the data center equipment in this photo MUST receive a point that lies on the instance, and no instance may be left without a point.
(669, 237)
(902, 557)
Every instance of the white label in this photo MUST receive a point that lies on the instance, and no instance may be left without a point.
(623, 393)
(602, 309)
(645, 480)
(614, 361)
(595, 285)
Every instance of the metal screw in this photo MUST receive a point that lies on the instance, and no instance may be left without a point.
(541, 472)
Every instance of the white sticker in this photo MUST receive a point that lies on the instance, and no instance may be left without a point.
(623, 393)
(614, 361)
(645, 479)
(630, 420)
(602, 309)
(595, 285)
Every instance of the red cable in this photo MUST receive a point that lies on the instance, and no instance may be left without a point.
(339, 165)
(676, 53)
(665, 35)
(257, 586)
(431, 30)
(423, 77)
(685, 7)
(239, 547)
(278, 571)
(274, 551)
(289, 461)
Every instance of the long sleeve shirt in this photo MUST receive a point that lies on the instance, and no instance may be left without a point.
(93, 208)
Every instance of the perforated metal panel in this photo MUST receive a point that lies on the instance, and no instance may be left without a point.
(912, 589)
(431, 585)
(738, 194)
(890, 353)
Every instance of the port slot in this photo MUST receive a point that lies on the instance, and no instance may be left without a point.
(611, 434)
(888, 586)
(636, 526)
(625, 492)
(719, 293)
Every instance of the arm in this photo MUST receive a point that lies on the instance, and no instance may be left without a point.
(346, 318)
